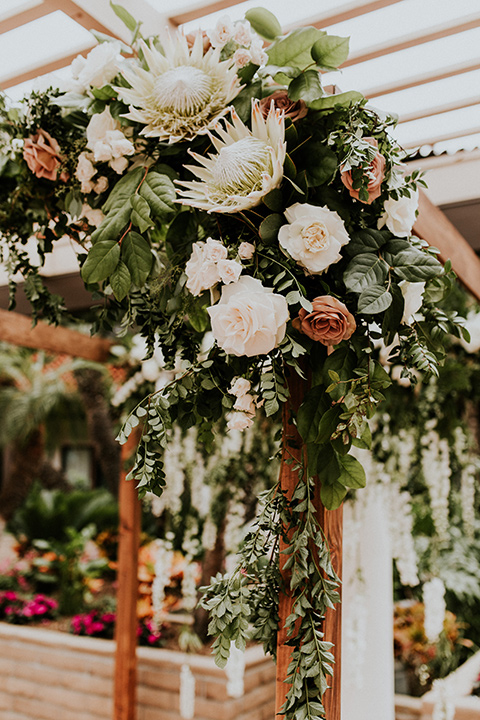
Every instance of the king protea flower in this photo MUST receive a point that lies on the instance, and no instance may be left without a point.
(183, 92)
(247, 165)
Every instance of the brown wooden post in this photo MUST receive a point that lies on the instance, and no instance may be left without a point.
(124, 705)
(332, 524)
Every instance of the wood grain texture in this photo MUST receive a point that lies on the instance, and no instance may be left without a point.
(332, 524)
(433, 226)
(17, 330)
(125, 679)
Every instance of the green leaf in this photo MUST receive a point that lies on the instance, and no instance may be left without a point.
(270, 226)
(319, 162)
(393, 247)
(127, 19)
(365, 439)
(328, 424)
(365, 270)
(274, 200)
(306, 87)
(123, 190)
(264, 23)
(120, 281)
(294, 49)
(393, 315)
(112, 225)
(140, 215)
(104, 93)
(283, 71)
(374, 299)
(159, 192)
(353, 474)
(414, 265)
(330, 51)
(310, 413)
(101, 261)
(198, 317)
(333, 495)
(137, 256)
(367, 241)
(243, 102)
(343, 362)
(181, 234)
(328, 102)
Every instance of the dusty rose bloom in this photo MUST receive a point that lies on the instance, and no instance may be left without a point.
(329, 322)
(42, 155)
(190, 38)
(293, 110)
(377, 171)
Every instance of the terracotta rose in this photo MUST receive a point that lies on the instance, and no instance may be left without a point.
(42, 155)
(377, 172)
(329, 322)
(293, 110)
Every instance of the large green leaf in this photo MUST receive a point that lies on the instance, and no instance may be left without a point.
(140, 215)
(333, 495)
(127, 19)
(101, 261)
(306, 86)
(120, 281)
(414, 265)
(330, 51)
(352, 473)
(310, 413)
(181, 234)
(112, 225)
(328, 424)
(367, 240)
(319, 161)
(159, 192)
(365, 270)
(343, 362)
(393, 315)
(295, 48)
(374, 299)
(123, 189)
(328, 102)
(264, 23)
(270, 226)
(137, 256)
(393, 247)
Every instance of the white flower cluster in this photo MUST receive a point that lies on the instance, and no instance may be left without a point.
(468, 480)
(163, 564)
(234, 530)
(249, 49)
(436, 471)
(244, 406)
(208, 265)
(401, 524)
(435, 608)
(189, 585)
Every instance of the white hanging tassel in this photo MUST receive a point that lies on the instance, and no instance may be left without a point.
(434, 602)
(187, 693)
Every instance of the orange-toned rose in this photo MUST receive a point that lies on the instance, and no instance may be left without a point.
(293, 110)
(376, 172)
(329, 322)
(41, 152)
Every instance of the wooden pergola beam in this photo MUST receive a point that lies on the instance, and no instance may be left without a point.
(433, 226)
(200, 10)
(69, 7)
(433, 139)
(440, 109)
(422, 79)
(40, 70)
(17, 330)
(413, 40)
(346, 12)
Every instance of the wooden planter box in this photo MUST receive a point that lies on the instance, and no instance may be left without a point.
(47, 674)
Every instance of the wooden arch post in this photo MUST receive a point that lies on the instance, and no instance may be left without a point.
(332, 523)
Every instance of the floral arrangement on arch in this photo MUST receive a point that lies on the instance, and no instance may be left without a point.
(251, 223)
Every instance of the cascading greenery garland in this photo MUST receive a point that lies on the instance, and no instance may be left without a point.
(248, 221)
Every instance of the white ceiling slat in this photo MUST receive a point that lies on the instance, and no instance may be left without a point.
(39, 70)
(440, 109)
(198, 10)
(422, 79)
(350, 11)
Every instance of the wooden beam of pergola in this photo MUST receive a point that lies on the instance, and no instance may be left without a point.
(40, 70)
(346, 12)
(422, 79)
(440, 109)
(17, 330)
(69, 7)
(433, 226)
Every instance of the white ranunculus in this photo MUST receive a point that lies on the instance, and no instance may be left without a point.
(400, 215)
(473, 326)
(242, 57)
(229, 271)
(313, 237)
(246, 251)
(99, 67)
(202, 273)
(249, 319)
(259, 56)
(240, 386)
(105, 139)
(222, 32)
(243, 35)
(215, 250)
(413, 297)
(84, 172)
(239, 421)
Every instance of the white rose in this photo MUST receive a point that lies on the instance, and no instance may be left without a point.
(85, 169)
(245, 403)
(222, 33)
(105, 139)
(94, 217)
(202, 274)
(249, 319)
(246, 251)
(119, 144)
(240, 386)
(242, 34)
(259, 56)
(242, 57)
(215, 250)
(313, 237)
(119, 164)
(229, 271)
(101, 185)
(473, 326)
(239, 421)
(413, 297)
(99, 67)
(400, 215)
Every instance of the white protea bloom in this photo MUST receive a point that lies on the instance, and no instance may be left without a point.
(183, 92)
(247, 165)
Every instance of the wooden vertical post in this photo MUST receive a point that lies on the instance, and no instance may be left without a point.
(125, 681)
(331, 522)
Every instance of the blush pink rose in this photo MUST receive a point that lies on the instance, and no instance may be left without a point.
(41, 152)
(329, 322)
(377, 176)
